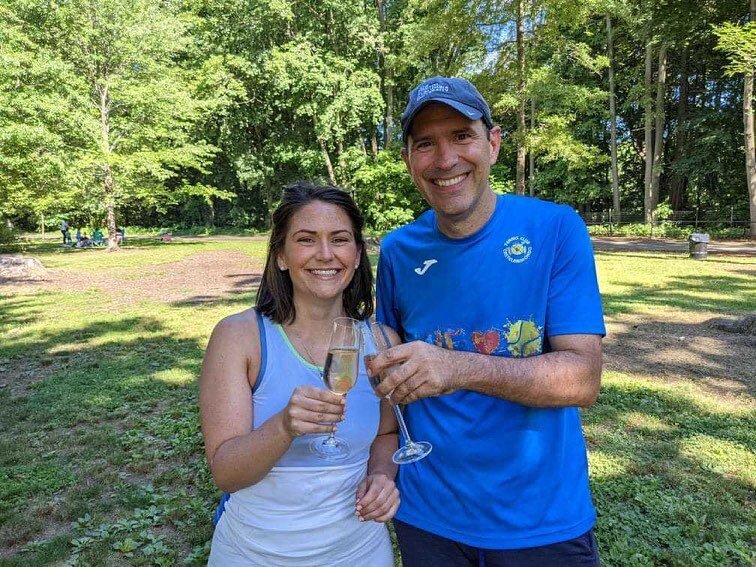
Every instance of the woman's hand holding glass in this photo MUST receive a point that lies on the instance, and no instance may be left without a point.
(377, 498)
(339, 375)
(312, 410)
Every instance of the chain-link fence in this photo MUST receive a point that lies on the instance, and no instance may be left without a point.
(726, 223)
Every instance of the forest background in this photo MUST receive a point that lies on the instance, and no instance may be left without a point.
(186, 113)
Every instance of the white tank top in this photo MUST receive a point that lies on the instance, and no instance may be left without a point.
(302, 511)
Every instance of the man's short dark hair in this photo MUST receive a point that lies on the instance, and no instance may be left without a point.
(275, 296)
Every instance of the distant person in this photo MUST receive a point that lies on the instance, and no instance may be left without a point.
(78, 235)
(263, 402)
(120, 235)
(84, 242)
(497, 298)
(97, 237)
(64, 230)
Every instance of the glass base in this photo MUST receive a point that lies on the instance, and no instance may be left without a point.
(412, 452)
(330, 448)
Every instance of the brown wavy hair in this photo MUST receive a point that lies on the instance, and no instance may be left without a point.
(275, 297)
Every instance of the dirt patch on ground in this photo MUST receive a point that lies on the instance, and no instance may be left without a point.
(206, 277)
(683, 346)
(203, 277)
(667, 346)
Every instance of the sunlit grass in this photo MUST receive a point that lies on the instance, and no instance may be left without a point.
(101, 460)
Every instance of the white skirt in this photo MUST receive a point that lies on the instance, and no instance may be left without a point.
(300, 517)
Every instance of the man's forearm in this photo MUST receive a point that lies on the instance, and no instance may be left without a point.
(555, 379)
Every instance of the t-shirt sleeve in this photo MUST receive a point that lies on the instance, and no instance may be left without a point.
(574, 302)
(386, 312)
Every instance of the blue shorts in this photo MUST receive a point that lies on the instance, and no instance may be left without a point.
(424, 549)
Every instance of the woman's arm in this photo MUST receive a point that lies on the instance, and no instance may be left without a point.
(377, 495)
(238, 456)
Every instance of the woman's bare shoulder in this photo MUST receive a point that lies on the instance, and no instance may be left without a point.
(238, 332)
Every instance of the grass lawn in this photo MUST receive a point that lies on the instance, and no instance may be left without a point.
(101, 459)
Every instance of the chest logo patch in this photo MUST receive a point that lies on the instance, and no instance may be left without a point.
(427, 264)
(517, 249)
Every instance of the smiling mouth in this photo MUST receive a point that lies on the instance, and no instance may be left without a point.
(449, 182)
(324, 273)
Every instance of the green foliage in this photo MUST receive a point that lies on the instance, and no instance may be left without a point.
(7, 234)
(213, 105)
(739, 43)
(385, 193)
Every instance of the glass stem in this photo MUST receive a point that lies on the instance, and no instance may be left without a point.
(402, 425)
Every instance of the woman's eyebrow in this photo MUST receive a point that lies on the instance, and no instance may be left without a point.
(307, 231)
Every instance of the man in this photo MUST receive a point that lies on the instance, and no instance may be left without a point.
(64, 230)
(497, 302)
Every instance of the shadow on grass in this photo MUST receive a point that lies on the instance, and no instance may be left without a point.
(47, 247)
(718, 361)
(76, 439)
(243, 293)
(673, 483)
(702, 293)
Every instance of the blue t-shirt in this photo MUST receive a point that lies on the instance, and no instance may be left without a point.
(501, 475)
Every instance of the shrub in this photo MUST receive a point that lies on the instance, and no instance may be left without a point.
(8, 238)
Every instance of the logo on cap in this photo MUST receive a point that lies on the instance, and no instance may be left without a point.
(426, 90)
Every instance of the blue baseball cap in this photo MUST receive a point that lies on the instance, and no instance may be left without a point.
(459, 94)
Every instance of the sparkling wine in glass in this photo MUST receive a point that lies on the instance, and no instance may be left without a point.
(411, 451)
(339, 375)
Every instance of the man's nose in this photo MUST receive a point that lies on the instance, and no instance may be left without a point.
(446, 155)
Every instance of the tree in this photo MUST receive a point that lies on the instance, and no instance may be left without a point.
(739, 42)
(41, 110)
(139, 129)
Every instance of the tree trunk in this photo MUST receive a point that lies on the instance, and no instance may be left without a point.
(648, 152)
(679, 182)
(342, 161)
(108, 183)
(211, 212)
(387, 79)
(389, 131)
(531, 155)
(750, 143)
(374, 144)
(612, 120)
(363, 147)
(109, 188)
(327, 158)
(269, 203)
(520, 180)
(659, 127)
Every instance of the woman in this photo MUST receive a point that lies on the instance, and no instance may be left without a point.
(262, 400)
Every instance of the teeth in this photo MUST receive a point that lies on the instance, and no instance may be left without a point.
(448, 182)
(324, 272)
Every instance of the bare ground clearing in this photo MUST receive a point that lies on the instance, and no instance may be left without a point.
(667, 345)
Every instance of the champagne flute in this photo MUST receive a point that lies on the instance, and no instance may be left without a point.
(339, 375)
(411, 451)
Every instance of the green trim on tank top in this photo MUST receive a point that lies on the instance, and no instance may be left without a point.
(294, 351)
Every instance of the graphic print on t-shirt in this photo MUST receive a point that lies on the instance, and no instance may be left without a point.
(519, 338)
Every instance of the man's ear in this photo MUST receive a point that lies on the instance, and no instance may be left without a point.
(495, 144)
